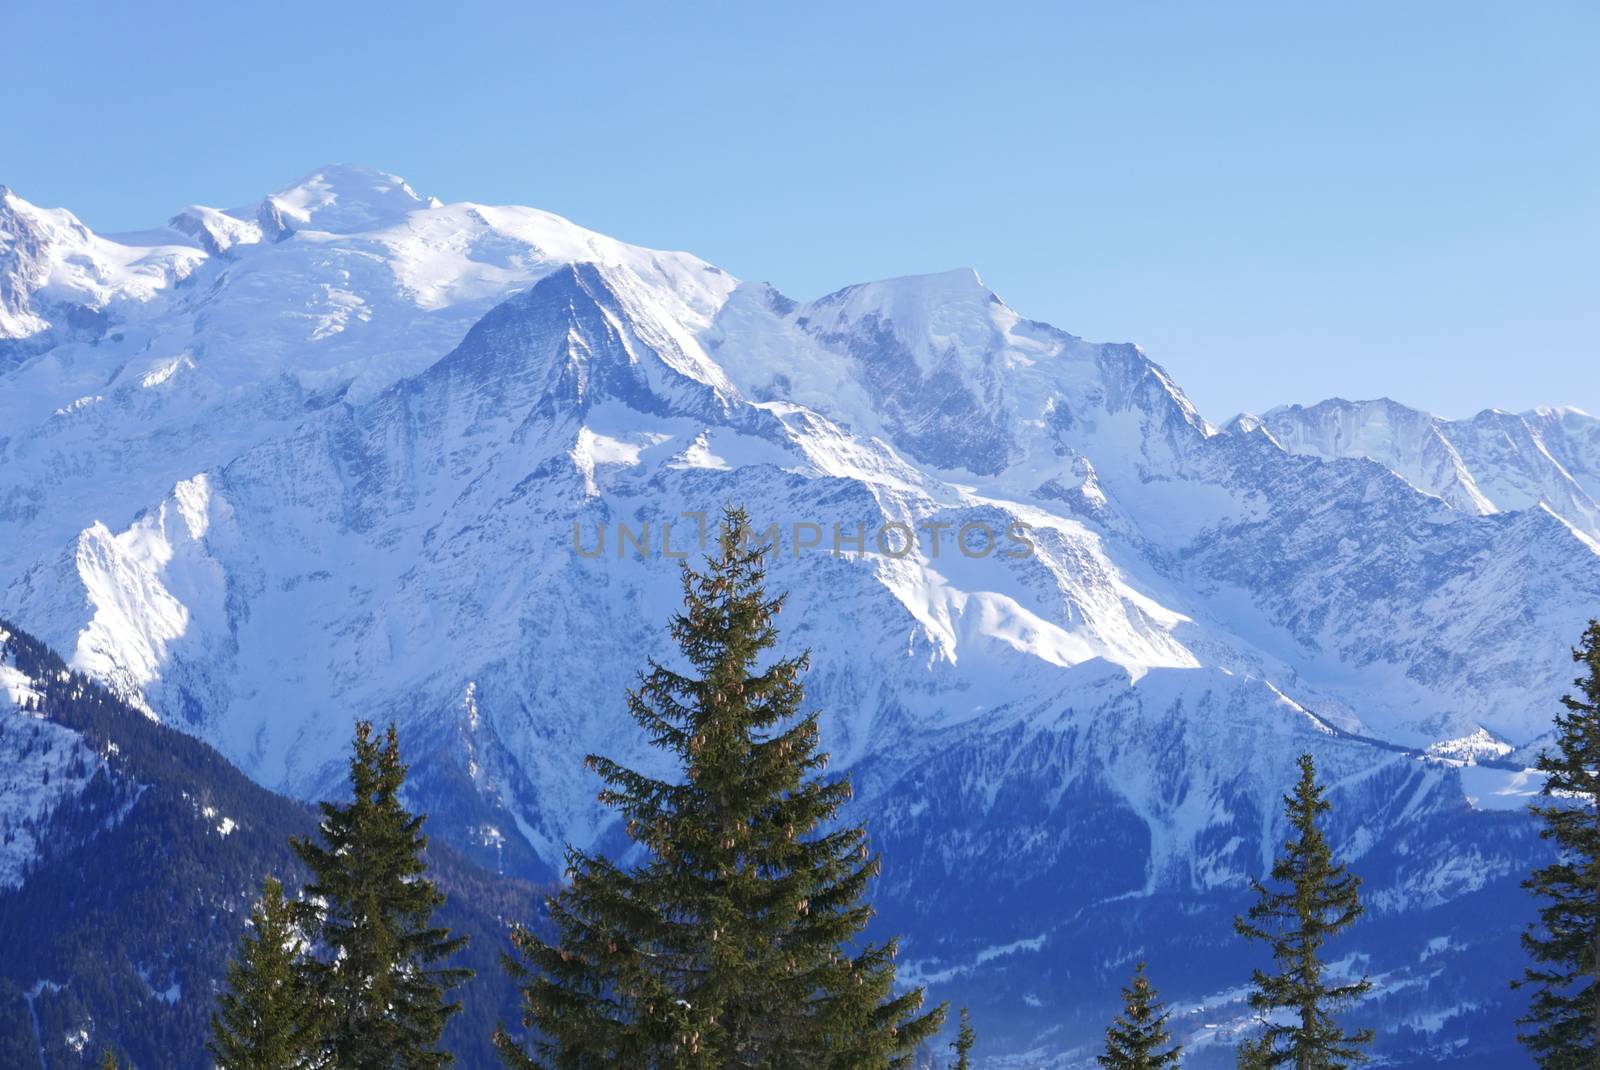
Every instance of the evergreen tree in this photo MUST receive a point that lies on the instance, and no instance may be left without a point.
(1138, 1038)
(1565, 943)
(380, 984)
(1320, 900)
(266, 1020)
(966, 1037)
(1252, 1055)
(735, 943)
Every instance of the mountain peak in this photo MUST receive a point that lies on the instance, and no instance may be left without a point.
(927, 312)
(581, 335)
(18, 214)
(1339, 406)
(1558, 412)
(344, 198)
(959, 285)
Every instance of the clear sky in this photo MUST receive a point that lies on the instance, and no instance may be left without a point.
(1280, 202)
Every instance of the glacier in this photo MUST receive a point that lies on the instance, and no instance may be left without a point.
(341, 453)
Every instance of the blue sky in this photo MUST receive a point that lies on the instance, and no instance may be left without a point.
(1280, 202)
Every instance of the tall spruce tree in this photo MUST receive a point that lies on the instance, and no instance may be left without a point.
(1565, 942)
(735, 942)
(380, 982)
(1138, 1038)
(267, 1018)
(1319, 900)
(966, 1038)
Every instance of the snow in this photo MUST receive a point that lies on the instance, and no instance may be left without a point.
(78, 405)
(932, 314)
(342, 198)
(169, 993)
(1501, 789)
(224, 826)
(1437, 946)
(340, 468)
(1032, 943)
(42, 765)
(327, 452)
(1470, 748)
(16, 689)
(165, 371)
(53, 259)
(1494, 462)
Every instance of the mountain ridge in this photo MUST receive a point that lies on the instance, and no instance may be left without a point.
(138, 870)
(1547, 455)
(267, 521)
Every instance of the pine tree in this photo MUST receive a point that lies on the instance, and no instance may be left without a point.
(1565, 943)
(266, 1020)
(1321, 900)
(966, 1037)
(1138, 1038)
(1252, 1055)
(735, 942)
(380, 982)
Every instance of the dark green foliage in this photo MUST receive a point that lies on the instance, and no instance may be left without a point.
(379, 979)
(1319, 900)
(267, 1018)
(1565, 943)
(966, 1037)
(1253, 1055)
(1138, 1038)
(735, 943)
(139, 893)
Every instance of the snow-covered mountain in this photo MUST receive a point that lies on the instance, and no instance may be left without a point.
(352, 451)
(1495, 462)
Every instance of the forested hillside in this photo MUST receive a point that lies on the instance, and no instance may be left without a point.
(126, 917)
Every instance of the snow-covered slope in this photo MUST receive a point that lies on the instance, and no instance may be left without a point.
(1494, 462)
(42, 765)
(351, 451)
(130, 856)
(135, 361)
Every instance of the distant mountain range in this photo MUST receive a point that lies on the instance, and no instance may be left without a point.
(352, 452)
